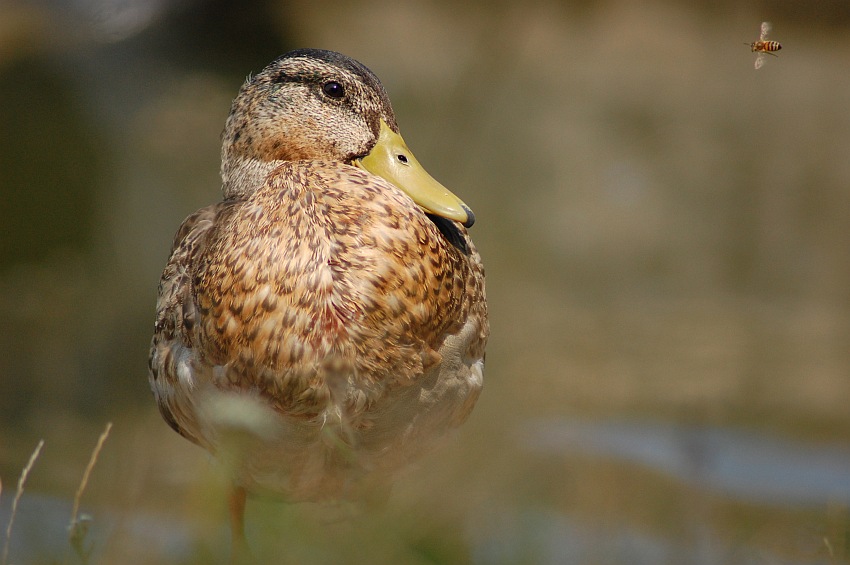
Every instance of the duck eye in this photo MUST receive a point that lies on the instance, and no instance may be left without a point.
(333, 89)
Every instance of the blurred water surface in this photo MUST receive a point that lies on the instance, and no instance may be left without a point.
(665, 232)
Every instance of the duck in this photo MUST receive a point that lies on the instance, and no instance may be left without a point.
(324, 325)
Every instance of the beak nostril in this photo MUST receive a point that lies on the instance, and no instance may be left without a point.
(403, 158)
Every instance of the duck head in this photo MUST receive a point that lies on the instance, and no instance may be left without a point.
(311, 104)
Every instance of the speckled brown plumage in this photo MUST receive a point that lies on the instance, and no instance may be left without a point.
(318, 293)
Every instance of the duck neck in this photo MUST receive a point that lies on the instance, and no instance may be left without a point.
(242, 176)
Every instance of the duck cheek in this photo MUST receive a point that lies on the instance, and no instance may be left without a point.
(276, 150)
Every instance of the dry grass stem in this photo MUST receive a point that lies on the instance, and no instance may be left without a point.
(21, 481)
(78, 527)
(100, 441)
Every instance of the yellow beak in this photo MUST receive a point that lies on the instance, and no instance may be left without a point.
(392, 160)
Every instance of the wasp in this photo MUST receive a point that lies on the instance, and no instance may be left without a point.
(763, 46)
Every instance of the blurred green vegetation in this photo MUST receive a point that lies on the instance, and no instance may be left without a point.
(665, 232)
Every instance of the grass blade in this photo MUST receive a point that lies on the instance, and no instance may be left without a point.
(78, 527)
(21, 481)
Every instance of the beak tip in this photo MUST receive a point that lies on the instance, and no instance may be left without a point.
(470, 217)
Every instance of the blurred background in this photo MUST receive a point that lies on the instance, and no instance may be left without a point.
(665, 232)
